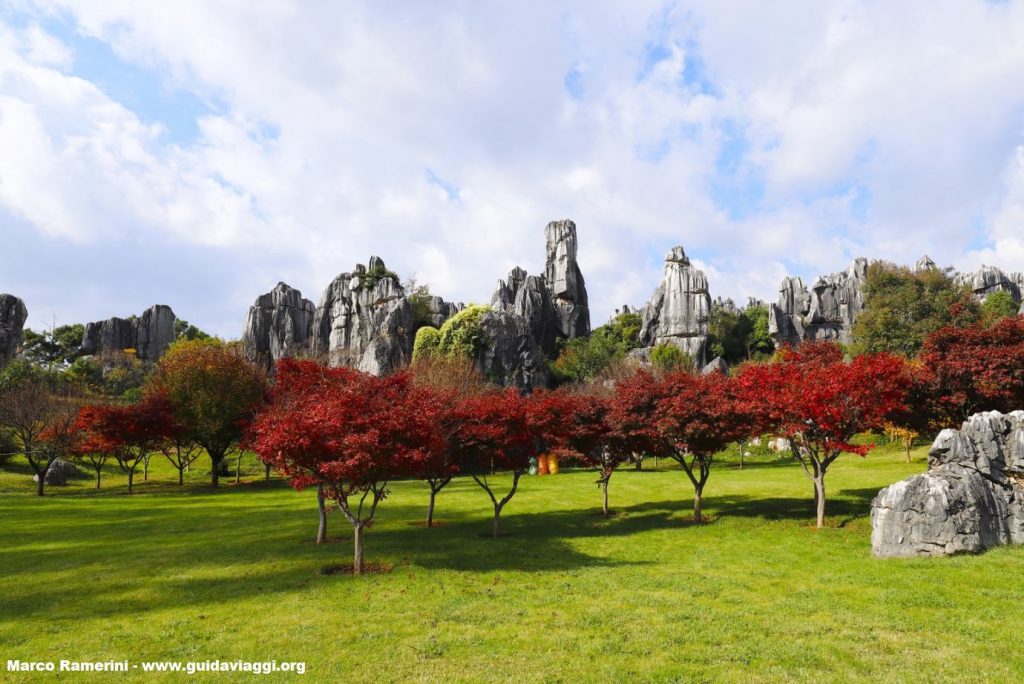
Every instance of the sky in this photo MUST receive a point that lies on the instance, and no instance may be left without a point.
(195, 153)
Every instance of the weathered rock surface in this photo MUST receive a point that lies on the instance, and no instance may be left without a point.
(971, 498)
(511, 356)
(13, 314)
(364, 321)
(555, 305)
(279, 325)
(565, 283)
(59, 472)
(989, 279)
(677, 312)
(716, 365)
(149, 334)
(826, 311)
(925, 263)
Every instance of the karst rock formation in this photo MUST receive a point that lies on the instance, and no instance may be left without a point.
(971, 498)
(13, 314)
(149, 334)
(677, 312)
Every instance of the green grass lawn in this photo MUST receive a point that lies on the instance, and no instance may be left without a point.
(757, 594)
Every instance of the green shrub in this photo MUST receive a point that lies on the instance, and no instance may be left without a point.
(668, 357)
(426, 344)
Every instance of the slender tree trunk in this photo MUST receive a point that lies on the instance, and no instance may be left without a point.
(181, 476)
(131, 477)
(430, 507)
(697, 492)
(604, 486)
(238, 468)
(215, 471)
(357, 560)
(819, 498)
(321, 532)
(639, 464)
(98, 473)
(145, 469)
(267, 466)
(497, 521)
(41, 485)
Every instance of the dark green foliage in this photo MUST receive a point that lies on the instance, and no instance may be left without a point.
(902, 307)
(740, 336)
(373, 276)
(54, 347)
(997, 306)
(183, 330)
(419, 300)
(585, 358)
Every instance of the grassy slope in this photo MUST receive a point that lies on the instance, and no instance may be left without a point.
(758, 594)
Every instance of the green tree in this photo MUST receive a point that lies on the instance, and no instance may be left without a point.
(759, 341)
(667, 358)
(183, 330)
(585, 358)
(462, 335)
(997, 306)
(902, 307)
(55, 347)
(215, 392)
(426, 343)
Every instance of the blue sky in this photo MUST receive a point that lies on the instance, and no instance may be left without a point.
(196, 153)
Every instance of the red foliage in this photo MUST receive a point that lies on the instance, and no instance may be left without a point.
(494, 430)
(127, 432)
(700, 415)
(967, 370)
(819, 402)
(350, 432)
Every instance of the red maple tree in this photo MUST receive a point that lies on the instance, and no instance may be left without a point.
(966, 370)
(490, 431)
(696, 417)
(348, 433)
(820, 403)
(129, 433)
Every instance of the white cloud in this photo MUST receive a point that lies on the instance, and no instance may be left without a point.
(850, 128)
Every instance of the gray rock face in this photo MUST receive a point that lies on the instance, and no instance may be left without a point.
(564, 280)
(441, 311)
(13, 314)
(149, 334)
(279, 324)
(716, 365)
(827, 311)
(925, 263)
(511, 356)
(971, 498)
(554, 305)
(678, 311)
(989, 279)
(59, 472)
(364, 321)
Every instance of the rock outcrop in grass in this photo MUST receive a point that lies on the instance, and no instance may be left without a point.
(971, 498)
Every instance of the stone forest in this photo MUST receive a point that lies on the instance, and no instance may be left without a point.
(383, 386)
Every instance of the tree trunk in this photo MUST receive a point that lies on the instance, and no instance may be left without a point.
(604, 510)
(639, 464)
(321, 532)
(497, 522)
(697, 492)
(215, 471)
(181, 476)
(430, 508)
(357, 560)
(819, 499)
(98, 478)
(267, 466)
(145, 469)
(238, 468)
(41, 485)
(131, 477)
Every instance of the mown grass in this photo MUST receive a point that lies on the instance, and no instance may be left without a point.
(758, 594)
